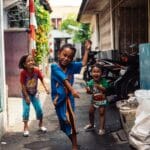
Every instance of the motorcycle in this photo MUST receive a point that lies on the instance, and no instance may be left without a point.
(128, 79)
(123, 76)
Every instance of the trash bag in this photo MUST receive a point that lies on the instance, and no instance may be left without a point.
(139, 136)
(143, 98)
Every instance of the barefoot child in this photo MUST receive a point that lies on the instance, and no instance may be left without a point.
(62, 78)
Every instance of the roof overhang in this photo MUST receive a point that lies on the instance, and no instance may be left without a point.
(90, 7)
(60, 34)
(87, 9)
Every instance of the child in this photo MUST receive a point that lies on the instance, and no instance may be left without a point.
(97, 87)
(62, 78)
(29, 81)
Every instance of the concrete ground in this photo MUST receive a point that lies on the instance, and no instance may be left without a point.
(54, 139)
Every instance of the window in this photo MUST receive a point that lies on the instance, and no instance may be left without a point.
(56, 23)
(18, 16)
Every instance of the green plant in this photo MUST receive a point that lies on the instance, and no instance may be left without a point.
(81, 31)
(83, 34)
(42, 32)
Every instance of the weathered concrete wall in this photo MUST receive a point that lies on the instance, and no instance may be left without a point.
(16, 45)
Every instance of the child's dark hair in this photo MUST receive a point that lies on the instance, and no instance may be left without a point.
(97, 66)
(88, 41)
(22, 62)
(68, 46)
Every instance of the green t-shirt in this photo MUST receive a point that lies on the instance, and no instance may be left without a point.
(104, 83)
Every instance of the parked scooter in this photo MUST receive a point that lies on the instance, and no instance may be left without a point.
(123, 75)
(128, 79)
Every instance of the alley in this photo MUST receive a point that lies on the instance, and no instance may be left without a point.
(54, 139)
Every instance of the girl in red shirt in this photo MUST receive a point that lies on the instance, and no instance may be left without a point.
(29, 76)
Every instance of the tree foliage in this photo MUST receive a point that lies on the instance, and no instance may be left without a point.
(81, 31)
(83, 34)
(70, 20)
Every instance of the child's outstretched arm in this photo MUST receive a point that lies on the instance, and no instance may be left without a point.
(87, 49)
(57, 72)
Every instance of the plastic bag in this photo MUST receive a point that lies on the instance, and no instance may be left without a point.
(139, 137)
(143, 98)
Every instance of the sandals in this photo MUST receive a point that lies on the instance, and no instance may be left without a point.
(89, 127)
(101, 132)
(26, 133)
(43, 129)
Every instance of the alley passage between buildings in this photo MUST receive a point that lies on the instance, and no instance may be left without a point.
(54, 139)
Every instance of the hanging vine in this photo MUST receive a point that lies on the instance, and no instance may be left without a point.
(42, 32)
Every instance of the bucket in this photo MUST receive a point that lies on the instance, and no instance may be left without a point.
(127, 116)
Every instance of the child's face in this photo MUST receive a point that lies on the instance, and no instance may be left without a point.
(65, 56)
(29, 64)
(96, 73)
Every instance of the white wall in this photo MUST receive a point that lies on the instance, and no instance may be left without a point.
(63, 11)
(3, 114)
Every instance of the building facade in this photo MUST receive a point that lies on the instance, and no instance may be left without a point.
(58, 37)
(116, 24)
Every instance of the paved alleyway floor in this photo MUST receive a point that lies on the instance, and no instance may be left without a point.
(54, 139)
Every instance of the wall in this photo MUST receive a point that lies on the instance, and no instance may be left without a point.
(144, 51)
(63, 11)
(16, 45)
(94, 36)
(3, 103)
(105, 23)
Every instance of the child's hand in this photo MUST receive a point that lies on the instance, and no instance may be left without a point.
(75, 93)
(100, 87)
(88, 90)
(87, 45)
(97, 85)
(47, 91)
(55, 100)
(28, 100)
